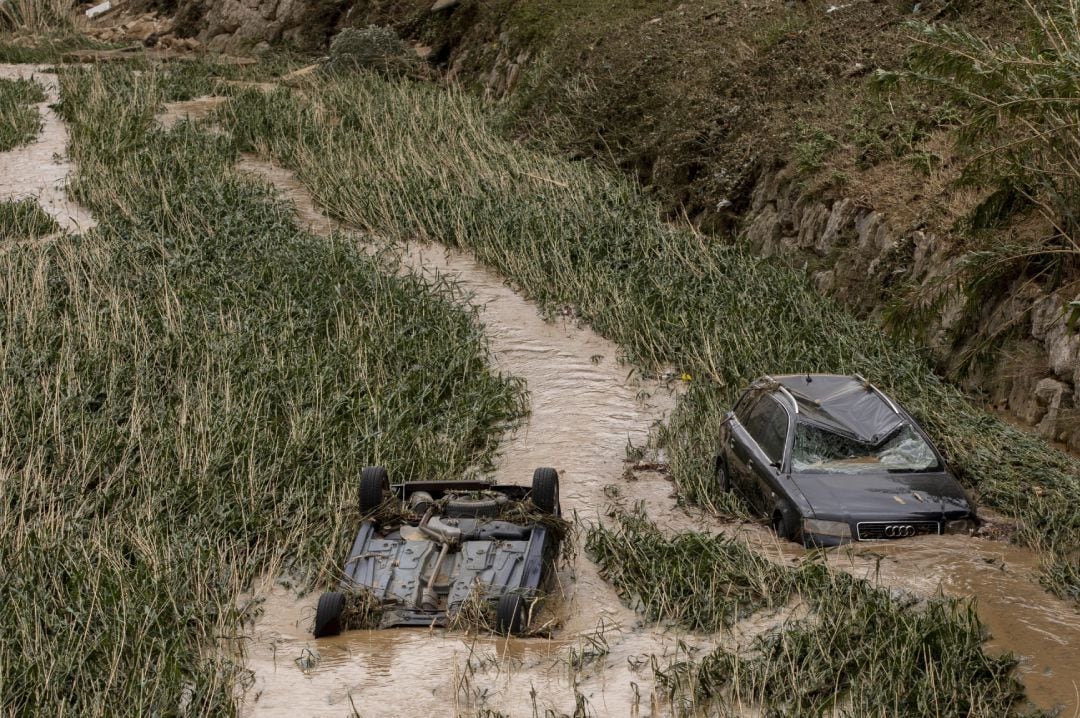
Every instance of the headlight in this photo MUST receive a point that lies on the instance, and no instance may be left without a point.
(960, 526)
(839, 529)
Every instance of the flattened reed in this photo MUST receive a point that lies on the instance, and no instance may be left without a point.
(19, 119)
(25, 219)
(188, 393)
(701, 581)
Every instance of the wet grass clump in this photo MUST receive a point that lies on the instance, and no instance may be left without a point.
(860, 650)
(25, 219)
(413, 161)
(189, 393)
(362, 611)
(701, 581)
(19, 119)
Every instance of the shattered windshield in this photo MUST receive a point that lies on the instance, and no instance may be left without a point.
(821, 451)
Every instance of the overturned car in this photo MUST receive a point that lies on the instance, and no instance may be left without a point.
(830, 459)
(425, 550)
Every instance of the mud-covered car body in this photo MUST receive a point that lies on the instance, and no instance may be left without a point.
(426, 548)
(831, 459)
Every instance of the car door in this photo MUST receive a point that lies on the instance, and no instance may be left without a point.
(767, 428)
(738, 443)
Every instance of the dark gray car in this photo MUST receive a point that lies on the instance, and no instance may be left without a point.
(831, 459)
(426, 547)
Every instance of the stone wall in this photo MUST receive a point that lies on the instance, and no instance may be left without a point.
(854, 254)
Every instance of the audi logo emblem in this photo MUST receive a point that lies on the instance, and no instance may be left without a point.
(899, 531)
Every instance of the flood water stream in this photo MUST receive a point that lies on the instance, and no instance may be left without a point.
(583, 411)
(585, 407)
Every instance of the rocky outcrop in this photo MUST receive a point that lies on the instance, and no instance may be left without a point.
(242, 25)
(231, 25)
(854, 254)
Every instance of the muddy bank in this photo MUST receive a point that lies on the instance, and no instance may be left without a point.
(40, 169)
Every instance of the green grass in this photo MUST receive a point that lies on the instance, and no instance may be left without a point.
(413, 161)
(860, 650)
(812, 147)
(25, 219)
(44, 47)
(698, 580)
(19, 119)
(188, 394)
(1023, 128)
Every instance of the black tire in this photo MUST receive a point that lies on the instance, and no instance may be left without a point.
(328, 614)
(470, 507)
(510, 614)
(723, 477)
(780, 526)
(545, 490)
(373, 484)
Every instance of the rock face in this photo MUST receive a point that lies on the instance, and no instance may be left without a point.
(241, 25)
(854, 254)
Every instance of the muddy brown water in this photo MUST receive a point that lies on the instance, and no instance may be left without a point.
(584, 409)
(40, 169)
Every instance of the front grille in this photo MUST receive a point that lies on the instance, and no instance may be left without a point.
(878, 530)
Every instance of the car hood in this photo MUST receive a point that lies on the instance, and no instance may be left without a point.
(882, 496)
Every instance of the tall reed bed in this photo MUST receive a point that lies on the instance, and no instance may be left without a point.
(19, 119)
(412, 160)
(859, 650)
(187, 394)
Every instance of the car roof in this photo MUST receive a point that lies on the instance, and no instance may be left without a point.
(845, 404)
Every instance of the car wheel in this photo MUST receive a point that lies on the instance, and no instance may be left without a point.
(328, 614)
(780, 526)
(510, 614)
(723, 478)
(545, 490)
(373, 484)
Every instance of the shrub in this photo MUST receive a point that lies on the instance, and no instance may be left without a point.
(371, 48)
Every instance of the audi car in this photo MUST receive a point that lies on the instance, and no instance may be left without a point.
(831, 459)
